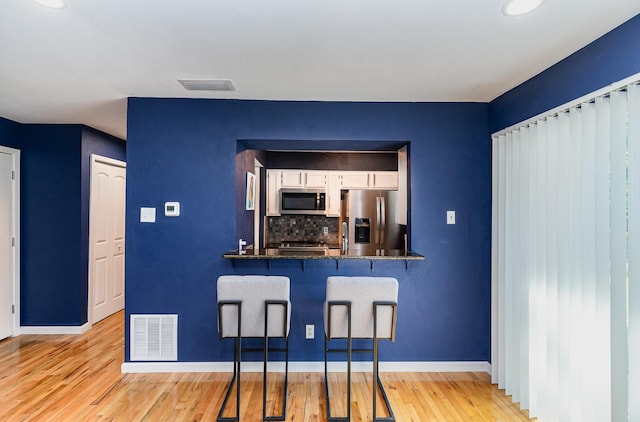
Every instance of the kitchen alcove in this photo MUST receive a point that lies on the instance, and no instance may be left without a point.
(361, 156)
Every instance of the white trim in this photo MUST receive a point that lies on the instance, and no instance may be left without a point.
(107, 160)
(164, 367)
(585, 98)
(59, 329)
(15, 153)
(95, 158)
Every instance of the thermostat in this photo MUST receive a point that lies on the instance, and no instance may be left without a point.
(171, 209)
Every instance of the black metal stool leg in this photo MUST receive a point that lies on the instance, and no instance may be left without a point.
(327, 338)
(283, 414)
(237, 356)
(376, 381)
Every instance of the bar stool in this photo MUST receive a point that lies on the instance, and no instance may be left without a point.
(254, 307)
(360, 308)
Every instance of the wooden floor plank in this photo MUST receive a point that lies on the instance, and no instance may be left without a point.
(77, 378)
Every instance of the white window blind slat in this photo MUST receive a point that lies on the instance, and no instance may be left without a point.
(602, 348)
(618, 216)
(634, 250)
(552, 389)
(495, 257)
(564, 270)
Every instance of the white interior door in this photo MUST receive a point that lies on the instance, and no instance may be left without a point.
(106, 233)
(6, 245)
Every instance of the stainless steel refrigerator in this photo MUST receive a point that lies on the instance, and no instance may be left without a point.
(369, 223)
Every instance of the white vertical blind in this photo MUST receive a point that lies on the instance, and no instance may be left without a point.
(618, 210)
(602, 348)
(566, 293)
(634, 251)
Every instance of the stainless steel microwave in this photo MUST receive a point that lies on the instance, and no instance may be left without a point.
(302, 201)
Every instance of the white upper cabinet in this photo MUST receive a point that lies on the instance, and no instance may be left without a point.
(292, 178)
(333, 194)
(315, 179)
(273, 189)
(303, 179)
(355, 179)
(384, 180)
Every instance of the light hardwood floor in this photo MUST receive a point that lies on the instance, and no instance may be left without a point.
(77, 378)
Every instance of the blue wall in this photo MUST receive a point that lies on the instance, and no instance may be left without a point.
(50, 215)
(185, 150)
(609, 59)
(55, 177)
(9, 133)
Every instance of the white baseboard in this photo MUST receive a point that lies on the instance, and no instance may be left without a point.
(161, 367)
(55, 329)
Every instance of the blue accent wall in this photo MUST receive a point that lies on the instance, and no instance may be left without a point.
(609, 59)
(9, 133)
(185, 150)
(55, 174)
(51, 293)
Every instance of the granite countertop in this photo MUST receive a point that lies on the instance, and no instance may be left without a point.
(274, 253)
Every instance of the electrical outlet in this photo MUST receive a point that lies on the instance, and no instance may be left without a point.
(325, 230)
(310, 331)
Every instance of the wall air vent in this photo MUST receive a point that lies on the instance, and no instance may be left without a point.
(153, 337)
(208, 84)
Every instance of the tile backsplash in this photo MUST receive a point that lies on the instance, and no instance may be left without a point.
(302, 228)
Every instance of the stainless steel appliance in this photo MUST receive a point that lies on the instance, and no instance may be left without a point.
(306, 248)
(301, 246)
(302, 201)
(371, 223)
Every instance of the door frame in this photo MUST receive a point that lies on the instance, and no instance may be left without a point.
(15, 220)
(95, 158)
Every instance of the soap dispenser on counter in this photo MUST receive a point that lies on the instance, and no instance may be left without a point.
(345, 237)
(241, 243)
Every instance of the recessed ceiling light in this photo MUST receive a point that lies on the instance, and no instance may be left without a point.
(520, 7)
(53, 4)
(208, 84)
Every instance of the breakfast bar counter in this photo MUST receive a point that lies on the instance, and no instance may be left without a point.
(270, 254)
(275, 253)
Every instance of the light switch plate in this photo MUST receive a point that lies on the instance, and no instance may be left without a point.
(147, 215)
(451, 217)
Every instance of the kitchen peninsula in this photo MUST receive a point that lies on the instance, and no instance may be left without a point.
(336, 254)
(275, 253)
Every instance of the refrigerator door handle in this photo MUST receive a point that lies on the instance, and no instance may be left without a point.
(383, 217)
(376, 238)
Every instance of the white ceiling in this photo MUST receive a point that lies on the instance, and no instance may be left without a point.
(79, 64)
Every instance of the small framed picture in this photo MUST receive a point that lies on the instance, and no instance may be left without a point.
(250, 202)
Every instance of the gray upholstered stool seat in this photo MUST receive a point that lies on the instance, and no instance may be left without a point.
(254, 306)
(360, 308)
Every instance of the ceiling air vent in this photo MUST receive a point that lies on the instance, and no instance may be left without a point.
(208, 84)
(154, 337)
